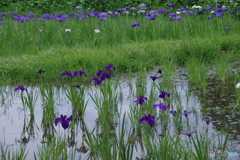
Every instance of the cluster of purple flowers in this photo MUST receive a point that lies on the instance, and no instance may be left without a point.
(149, 13)
(69, 74)
(102, 75)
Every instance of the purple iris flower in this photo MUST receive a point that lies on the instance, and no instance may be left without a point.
(161, 11)
(208, 8)
(227, 28)
(136, 24)
(171, 5)
(96, 80)
(48, 16)
(190, 12)
(232, 12)
(209, 17)
(67, 73)
(218, 14)
(100, 72)
(116, 14)
(80, 72)
(63, 120)
(172, 15)
(93, 13)
(163, 94)
(154, 78)
(182, 9)
(30, 14)
(2, 15)
(110, 66)
(40, 71)
(105, 75)
(141, 99)
(80, 11)
(208, 120)
(200, 12)
(102, 16)
(160, 106)
(22, 88)
(148, 119)
(173, 112)
(151, 18)
(77, 86)
(218, 5)
(178, 18)
(189, 133)
(185, 113)
(160, 71)
(3, 22)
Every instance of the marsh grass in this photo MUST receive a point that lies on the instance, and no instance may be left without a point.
(29, 101)
(197, 73)
(222, 67)
(79, 103)
(184, 40)
(56, 149)
(8, 154)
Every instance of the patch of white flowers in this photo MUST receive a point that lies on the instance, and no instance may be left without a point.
(238, 85)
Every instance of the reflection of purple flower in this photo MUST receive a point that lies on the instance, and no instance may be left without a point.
(40, 71)
(110, 66)
(82, 149)
(136, 24)
(141, 99)
(163, 94)
(189, 133)
(80, 72)
(77, 86)
(173, 112)
(67, 73)
(208, 120)
(154, 78)
(160, 106)
(63, 120)
(185, 113)
(96, 80)
(148, 119)
(22, 88)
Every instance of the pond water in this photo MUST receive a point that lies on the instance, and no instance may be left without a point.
(18, 127)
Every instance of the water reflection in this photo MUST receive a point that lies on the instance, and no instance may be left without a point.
(61, 99)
